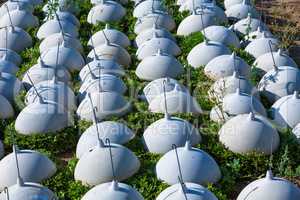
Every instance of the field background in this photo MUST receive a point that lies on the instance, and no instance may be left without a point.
(237, 170)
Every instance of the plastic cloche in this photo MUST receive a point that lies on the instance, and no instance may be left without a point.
(247, 133)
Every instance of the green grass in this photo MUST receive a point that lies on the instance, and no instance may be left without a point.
(237, 170)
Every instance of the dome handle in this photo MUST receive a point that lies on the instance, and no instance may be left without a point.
(60, 26)
(9, 16)
(41, 100)
(183, 187)
(272, 55)
(107, 141)
(167, 116)
(99, 82)
(91, 72)
(100, 142)
(7, 193)
(19, 178)
(174, 147)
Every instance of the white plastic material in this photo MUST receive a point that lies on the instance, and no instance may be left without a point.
(17, 39)
(108, 104)
(114, 36)
(284, 111)
(162, 134)
(279, 82)
(157, 66)
(223, 35)
(261, 46)
(94, 167)
(160, 19)
(248, 133)
(116, 132)
(204, 52)
(265, 62)
(19, 18)
(113, 191)
(270, 187)
(226, 65)
(197, 166)
(107, 11)
(191, 191)
(152, 46)
(34, 167)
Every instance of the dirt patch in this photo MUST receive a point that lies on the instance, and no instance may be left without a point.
(283, 18)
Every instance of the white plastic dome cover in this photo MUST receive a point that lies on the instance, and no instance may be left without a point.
(241, 11)
(296, 132)
(270, 188)
(159, 66)
(229, 85)
(57, 38)
(107, 66)
(192, 192)
(116, 132)
(148, 6)
(63, 16)
(193, 23)
(284, 111)
(248, 133)
(40, 72)
(9, 86)
(204, 52)
(177, 101)
(192, 6)
(261, 46)
(235, 104)
(52, 26)
(156, 87)
(17, 39)
(113, 190)
(8, 66)
(222, 34)
(107, 11)
(6, 112)
(54, 91)
(196, 166)
(147, 34)
(91, 170)
(48, 117)
(19, 18)
(111, 51)
(280, 82)
(152, 46)
(226, 65)
(257, 34)
(108, 104)
(229, 3)
(114, 36)
(14, 5)
(28, 191)
(162, 134)
(265, 62)
(102, 83)
(10, 56)
(34, 167)
(248, 25)
(67, 57)
(160, 19)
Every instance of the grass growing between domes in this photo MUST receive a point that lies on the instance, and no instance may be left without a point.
(237, 170)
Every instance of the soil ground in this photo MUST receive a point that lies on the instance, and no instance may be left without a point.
(283, 16)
